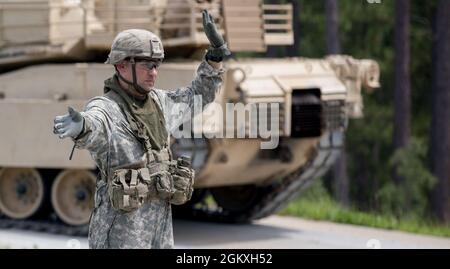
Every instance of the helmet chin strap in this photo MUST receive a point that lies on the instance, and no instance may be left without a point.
(135, 85)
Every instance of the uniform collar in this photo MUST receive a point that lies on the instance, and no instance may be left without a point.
(138, 106)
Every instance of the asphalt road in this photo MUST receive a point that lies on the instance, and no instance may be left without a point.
(271, 232)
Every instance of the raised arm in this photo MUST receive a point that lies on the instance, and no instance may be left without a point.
(178, 105)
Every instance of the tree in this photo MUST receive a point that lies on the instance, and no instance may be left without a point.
(294, 50)
(340, 175)
(272, 51)
(402, 90)
(332, 24)
(440, 123)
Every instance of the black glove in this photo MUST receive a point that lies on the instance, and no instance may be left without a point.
(218, 49)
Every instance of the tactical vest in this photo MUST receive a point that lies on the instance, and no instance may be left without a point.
(138, 128)
(162, 178)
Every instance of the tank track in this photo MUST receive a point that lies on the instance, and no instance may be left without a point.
(45, 226)
(278, 195)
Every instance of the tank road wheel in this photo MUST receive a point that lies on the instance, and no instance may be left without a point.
(21, 192)
(73, 196)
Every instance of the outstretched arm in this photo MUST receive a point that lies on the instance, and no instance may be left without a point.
(87, 129)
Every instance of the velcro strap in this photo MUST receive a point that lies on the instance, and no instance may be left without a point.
(126, 201)
(145, 174)
(142, 190)
(134, 178)
(121, 174)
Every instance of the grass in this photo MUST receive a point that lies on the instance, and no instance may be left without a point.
(315, 203)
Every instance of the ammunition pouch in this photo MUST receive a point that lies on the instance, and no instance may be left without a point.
(183, 181)
(129, 189)
(126, 190)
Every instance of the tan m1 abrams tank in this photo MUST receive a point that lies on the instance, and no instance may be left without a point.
(50, 58)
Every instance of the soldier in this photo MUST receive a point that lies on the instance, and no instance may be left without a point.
(127, 133)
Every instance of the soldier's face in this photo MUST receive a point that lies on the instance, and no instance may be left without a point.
(146, 73)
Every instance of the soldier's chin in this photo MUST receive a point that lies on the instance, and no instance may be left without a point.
(148, 87)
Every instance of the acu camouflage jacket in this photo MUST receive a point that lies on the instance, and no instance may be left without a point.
(112, 144)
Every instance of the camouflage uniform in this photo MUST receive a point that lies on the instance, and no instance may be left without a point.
(112, 143)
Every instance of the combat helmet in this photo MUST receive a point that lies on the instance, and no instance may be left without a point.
(135, 44)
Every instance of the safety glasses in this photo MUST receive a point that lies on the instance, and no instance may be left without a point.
(148, 65)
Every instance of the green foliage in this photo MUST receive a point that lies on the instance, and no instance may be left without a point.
(367, 31)
(409, 197)
(312, 29)
(368, 152)
(316, 203)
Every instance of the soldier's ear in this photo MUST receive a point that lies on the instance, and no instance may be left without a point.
(121, 67)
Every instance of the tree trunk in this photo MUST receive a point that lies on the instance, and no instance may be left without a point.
(272, 51)
(440, 123)
(294, 50)
(402, 91)
(340, 178)
(332, 23)
(340, 175)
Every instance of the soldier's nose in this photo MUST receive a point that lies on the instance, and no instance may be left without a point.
(150, 69)
(153, 72)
